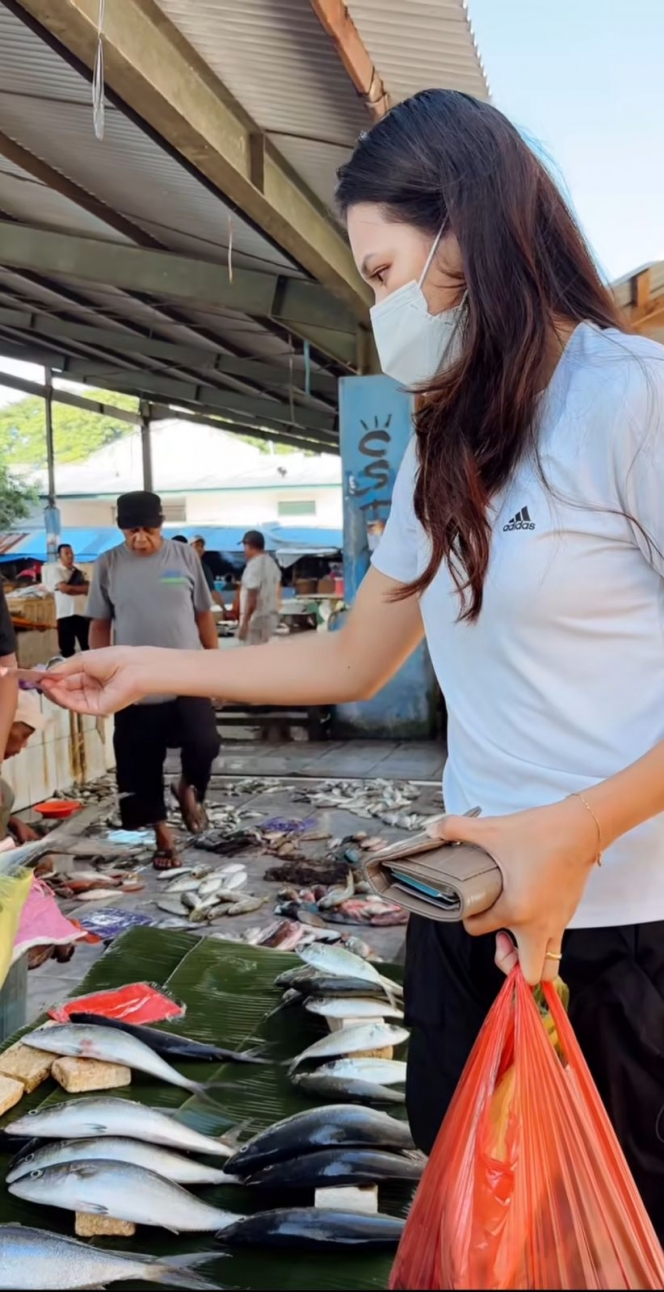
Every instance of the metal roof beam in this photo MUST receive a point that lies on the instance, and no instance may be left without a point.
(157, 74)
(44, 329)
(337, 22)
(147, 383)
(67, 397)
(304, 306)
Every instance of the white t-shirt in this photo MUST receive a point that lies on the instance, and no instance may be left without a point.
(53, 572)
(560, 682)
(261, 574)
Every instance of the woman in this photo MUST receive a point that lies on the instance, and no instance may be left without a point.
(525, 541)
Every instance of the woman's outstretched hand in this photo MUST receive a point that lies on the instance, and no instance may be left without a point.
(101, 681)
(545, 856)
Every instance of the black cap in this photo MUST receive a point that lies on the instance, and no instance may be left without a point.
(254, 538)
(139, 510)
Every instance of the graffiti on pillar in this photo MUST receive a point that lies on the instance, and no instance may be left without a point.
(372, 487)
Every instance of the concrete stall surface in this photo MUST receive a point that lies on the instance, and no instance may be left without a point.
(290, 768)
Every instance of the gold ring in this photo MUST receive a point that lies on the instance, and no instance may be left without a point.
(553, 955)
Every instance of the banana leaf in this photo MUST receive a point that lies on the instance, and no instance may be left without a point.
(229, 990)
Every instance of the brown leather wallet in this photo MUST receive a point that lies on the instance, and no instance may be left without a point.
(442, 881)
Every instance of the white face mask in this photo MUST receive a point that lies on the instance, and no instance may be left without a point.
(414, 345)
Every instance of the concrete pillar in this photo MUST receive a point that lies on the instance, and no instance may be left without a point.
(146, 448)
(375, 427)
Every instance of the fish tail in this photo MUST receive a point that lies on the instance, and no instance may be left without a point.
(179, 1271)
(256, 1054)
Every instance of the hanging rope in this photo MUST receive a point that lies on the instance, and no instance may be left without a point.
(230, 247)
(306, 350)
(291, 398)
(98, 76)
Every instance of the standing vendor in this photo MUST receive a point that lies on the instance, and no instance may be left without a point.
(70, 589)
(153, 592)
(28, 718)
(526, 543)
(260, 592)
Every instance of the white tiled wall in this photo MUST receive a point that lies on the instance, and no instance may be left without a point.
(48, 763)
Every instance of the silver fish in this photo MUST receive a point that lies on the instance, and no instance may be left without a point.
(210, 885)
(354, 1090)
(365, 1036)
(233, 868)
(166, 876)
(339, 894)
(246, 905)
(170, 1165)
(386, 1072)
(33, 1258)
(343, 964)
(235, 879)
(87, 1041)
(107, 1115)
(184, 884)
(351, 1007)
(123, 1191)
(172, 905)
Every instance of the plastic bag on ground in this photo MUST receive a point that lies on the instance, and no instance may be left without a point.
(527, 1186)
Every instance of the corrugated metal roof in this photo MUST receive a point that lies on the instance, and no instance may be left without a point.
(278, 62)
(419, 44)
(26, 198)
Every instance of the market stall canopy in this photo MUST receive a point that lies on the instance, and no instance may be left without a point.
(88, 544)
(189, 257)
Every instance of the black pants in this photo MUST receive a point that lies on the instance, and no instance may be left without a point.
(616, 982)
(143, 734)
(73, 629)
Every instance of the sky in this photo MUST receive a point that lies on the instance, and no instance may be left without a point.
(584, 78)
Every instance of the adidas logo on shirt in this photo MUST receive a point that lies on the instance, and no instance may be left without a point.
(520, 521)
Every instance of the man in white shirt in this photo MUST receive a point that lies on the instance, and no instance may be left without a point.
(70, 588)
(259, 592)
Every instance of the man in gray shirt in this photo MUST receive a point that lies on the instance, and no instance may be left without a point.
(152, 591)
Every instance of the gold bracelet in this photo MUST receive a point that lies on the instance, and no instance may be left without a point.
(576, 795)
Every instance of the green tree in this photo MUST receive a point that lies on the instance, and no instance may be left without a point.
(77, 432)
(17, 500)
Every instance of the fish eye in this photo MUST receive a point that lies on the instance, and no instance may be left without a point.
(36, 1175)
(29, 1157)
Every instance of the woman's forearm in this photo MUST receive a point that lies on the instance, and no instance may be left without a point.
(630, 797)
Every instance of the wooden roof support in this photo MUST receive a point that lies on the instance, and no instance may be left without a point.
(335, 18)
(151, 68)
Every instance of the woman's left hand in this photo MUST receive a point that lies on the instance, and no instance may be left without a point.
(545, 856)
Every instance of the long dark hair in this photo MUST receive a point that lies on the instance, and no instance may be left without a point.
(444, 158)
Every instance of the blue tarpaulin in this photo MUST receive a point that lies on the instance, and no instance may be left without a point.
(88, 544)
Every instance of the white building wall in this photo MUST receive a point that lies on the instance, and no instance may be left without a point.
(226, 507)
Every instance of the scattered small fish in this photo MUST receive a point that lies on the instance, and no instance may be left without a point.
(365, 1036)
(336, 896)
(172, 905)
(166, 876)
(319, 1086)
(246, 905)
(89, 1041)
(233, 868)
(33, 1258)
(357, 1007)
(331, 1126)
(123, 1191)
(172, 1166)
(337, 1166)
(184, 884)
(170, 1044)
(314, 1227)
(97, 895)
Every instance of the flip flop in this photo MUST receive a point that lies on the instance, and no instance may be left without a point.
(166, 859)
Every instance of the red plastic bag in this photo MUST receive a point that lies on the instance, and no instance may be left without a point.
(527, 1186)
